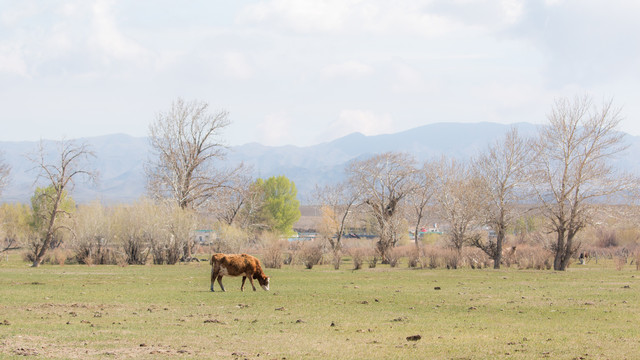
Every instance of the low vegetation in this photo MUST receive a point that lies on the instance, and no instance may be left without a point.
(159, 311)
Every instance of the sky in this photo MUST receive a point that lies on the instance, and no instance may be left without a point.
(302, 72)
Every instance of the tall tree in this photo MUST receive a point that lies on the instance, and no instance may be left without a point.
(281, 208)
(42, 203)
(460, 201)
(336, 201)
(186, 142)
(572, 168)
(502, 168)
(420, 196)
(228, 201)
(70, 162)
(383, 181)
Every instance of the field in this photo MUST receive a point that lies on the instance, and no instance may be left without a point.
(151, 312)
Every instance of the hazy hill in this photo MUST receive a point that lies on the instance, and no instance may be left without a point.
(120, 158)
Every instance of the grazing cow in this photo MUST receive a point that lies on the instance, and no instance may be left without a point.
(237, 265)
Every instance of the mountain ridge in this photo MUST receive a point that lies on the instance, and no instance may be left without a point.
(120, 158)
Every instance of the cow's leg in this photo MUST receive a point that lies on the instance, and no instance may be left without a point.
(251, 281)
(244, 278)
(220, 282)
(214, 275)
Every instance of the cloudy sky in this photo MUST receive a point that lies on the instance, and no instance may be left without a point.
(306, 71)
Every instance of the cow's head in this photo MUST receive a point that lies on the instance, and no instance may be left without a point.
(264, 282)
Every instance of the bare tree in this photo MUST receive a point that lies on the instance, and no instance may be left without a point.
(228, 200)
(337, 202)
(383, 181)
(420, 196)
(502, 168)
(68, 164)
(186, 142)
(5, 170)
(460, 201)
(572, 168)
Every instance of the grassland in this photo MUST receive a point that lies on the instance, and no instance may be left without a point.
(151, 312)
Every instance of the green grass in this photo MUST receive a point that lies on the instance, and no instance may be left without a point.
(149, 312)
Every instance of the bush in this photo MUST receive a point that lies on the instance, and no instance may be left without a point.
(394, 255)
(606, 238)
(336, 260)
(358, 256)
(311, 254)
(452, 258)
(476, 258)
(533, 257)
(273, 254)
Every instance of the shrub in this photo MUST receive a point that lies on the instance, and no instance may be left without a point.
(476, 258)
(394, 255)
(606, 238)
(533, 257)
(336, 260)
(311, 254)
(452, 258)
(273, 254)
(358, 256)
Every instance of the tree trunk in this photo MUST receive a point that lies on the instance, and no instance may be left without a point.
(560, 250)
(497, 257)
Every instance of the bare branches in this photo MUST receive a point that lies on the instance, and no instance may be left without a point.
(383, 181)
(420, 196)
(572, 167)
(186, 141)
(337, 202)
(59, 170)
(502, 169)
(461, 200)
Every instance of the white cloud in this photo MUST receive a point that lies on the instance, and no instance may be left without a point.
(303, 16)
(237, 66)
(108, 38)
(362, 121)
(348, 16)
(407, 79)
(12, 61)
(275, 129)
(349, 69)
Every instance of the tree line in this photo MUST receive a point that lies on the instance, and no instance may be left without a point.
(187, 190)
(561, 173)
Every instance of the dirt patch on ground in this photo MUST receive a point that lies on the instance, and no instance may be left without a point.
(43, 347)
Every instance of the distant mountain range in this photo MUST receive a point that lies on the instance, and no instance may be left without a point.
(120, 158)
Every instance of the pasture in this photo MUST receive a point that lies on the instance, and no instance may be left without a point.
(155, 312)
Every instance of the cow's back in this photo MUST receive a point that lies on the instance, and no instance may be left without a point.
(233, 264)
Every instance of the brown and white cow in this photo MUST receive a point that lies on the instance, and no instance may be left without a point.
(243, 265)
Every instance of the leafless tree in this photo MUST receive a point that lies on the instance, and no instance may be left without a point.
(460, 201)
(228, 200)
(186, 143)
(502, 168)
(5, 170)
(337, 202)
(572, 168)
(68, 163)
(420, 196)
(383, 181)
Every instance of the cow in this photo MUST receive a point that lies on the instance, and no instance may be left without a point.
(237, 265)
